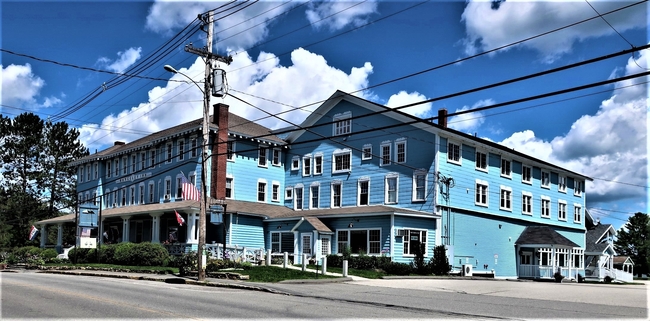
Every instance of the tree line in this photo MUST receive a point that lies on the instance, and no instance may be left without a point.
(633, 240)
(36, 179)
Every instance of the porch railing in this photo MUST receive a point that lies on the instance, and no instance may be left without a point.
(235, 253)
(545, 271)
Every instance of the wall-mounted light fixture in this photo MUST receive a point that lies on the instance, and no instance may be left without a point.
(351, 225)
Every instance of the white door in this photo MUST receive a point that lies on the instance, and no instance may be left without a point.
(325, 245)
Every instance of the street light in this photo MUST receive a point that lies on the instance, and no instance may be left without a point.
(204, 157)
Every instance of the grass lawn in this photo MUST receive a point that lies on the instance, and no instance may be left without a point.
(134, 269)
(368, 274)
(277, 274)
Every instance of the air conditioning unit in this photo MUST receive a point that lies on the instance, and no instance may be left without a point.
(166, 197)
(114, 205)
(467, 270)
(401, 232)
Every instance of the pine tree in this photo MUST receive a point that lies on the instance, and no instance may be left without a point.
(633, 240)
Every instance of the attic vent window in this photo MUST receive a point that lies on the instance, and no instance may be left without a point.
(342, 124)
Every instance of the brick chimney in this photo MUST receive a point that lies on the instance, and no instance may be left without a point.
(442, 117)
(219, 151)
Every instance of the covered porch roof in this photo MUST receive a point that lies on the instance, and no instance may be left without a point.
(543, 236)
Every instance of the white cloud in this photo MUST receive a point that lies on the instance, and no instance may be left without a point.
(610, 146)
(124, 60)
(242, 29)
(470, 121)
(307, 80)
(20, 86)
(338, 14)
(403, 98)
(514, 20)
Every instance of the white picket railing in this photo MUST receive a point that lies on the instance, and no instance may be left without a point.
(235, 253)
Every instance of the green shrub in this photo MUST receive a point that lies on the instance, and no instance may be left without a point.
(395, 268)
(418, 264)
(186, 263)
(107, 253)
(48, 255)
(123, 254)
(23, 253)
(439, 263)
(346, 252)
(149, 254)
(246, 265)
(214, 265)
(335, 260)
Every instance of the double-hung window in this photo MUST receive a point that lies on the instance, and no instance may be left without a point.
(151, 192)
(577, 213)
(261, 191)
(526, 174)
(385, 153)
(527, 203)
(506, 198)
(546, 179)
(152, 159)
(318, 164)
(391, 189)
(181, 150)
(306, 165)
(364, 192)
(141, 193)
(546, 207)
(481, 161)
(298, 198)
(288, 193)
(342, 124)
(561, 210)
(412, 240)
(134, 163)
(125, 165)
(230, 150)
(261, 157)
(506, 170)
(419, 185)
(194, 150)
(481, 197)
(314, 196)
(170, 153)
(453, 153)
(359, 241)
(276, 157)
(366, 152)
(117, 167)
(336, 193)
(577, 187)
(275, 192)
(295, 163)
(229, 187)
(342, 161)
(108, 169)
(400, 151)
(561, 184)
(143, 160)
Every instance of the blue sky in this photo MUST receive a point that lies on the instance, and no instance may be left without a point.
(296, 53)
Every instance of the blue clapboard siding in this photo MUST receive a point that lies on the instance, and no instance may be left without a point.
(246, 172)
(416, 223)
(247, 231)
(466, 174)
(419, 155)
(381, 222)
(283, 226)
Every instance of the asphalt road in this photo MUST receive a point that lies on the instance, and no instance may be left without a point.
(46, 296)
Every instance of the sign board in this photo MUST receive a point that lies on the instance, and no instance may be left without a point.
(87, 242)
(216, 218)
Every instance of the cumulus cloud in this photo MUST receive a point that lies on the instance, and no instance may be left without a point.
(241, 29)
(336, 15)
(470, 121)
(125, 59)
(610, 146)
(308, 79)
(403, 98)
(19, 85)
(490, 26)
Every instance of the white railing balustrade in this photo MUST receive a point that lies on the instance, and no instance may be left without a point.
(235, 253)
(177, 248)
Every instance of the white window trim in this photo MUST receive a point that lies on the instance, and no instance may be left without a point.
(561, 187)
(286, 196)
(386, 178)
(550, 209)
(125, 165)
(509, 175)
(180, 153)
(525, 194)
(487, 193)
(406, 239)
(340, 152)
(315, 169)
(420, 172)
(530, 180)
(169, 147)
(347, 242)
(302, 197)
(232, 185)
(460, 153)
(257, 189)
(361, 180)
(311, 205)
(501, 189)
(398, 142)
(266, 156)
(275, 185)
(171, 189)
(382, 154)
(295, 161)
(152, 194)
(338, 118)
(487, 163)
(340, 184)
(577, 188)
(194, 150)
(306, 168)
(363, 154)
(279, 151)
(232, 156)
(109, 169)
(577, 206)
(541, 181)
(563, 202)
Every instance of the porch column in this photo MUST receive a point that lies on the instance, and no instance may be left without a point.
(59, 235)
(296, 246)
(43, 235)
(554, 260)
(315, 245)
(155, 227)
(191, 229)
(126, 227)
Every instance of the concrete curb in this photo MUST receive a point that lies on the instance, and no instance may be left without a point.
(312, 281)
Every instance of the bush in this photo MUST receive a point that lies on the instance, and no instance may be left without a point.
(123, 254)
(219, 264)
(186, 263)
(335, 260)
(395, 268)
(418, 264)
(107, 253)
(48, 255)
(148, 254)
(439, 263)
(81, 256)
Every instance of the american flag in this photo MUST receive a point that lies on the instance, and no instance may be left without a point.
(190, 192)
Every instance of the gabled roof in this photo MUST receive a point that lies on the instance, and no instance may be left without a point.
(595, 236)
(315, 223)
(623, 260)
(237, 126)
(543, 235)
(424, 124)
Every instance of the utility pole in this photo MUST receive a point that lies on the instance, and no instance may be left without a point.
(208, 27)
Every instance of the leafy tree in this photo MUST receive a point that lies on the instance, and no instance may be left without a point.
(439, 262)
(633, 240)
